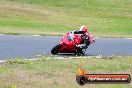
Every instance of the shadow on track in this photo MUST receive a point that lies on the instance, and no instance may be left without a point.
(72, 55)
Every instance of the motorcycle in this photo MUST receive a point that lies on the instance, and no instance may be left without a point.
(70, 44)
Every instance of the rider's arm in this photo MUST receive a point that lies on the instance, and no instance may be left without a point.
(78, 32)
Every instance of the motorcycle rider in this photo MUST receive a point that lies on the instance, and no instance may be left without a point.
(85, 35)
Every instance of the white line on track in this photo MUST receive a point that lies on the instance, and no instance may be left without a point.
(127, 38)
(1, 34)
(36, 35)
(96, 37)
(2, 61)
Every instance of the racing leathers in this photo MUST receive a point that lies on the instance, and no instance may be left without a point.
(85, 39)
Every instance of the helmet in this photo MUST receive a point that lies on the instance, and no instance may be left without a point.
(83, 28)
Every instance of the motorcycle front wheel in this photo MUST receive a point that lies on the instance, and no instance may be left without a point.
(55, 49)
(79, 52)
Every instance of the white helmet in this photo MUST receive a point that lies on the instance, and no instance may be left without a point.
(83, 28)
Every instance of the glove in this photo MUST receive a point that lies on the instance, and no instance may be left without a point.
(81, 46)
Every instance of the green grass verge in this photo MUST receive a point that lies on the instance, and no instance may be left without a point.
(55, 17)
(48, 72)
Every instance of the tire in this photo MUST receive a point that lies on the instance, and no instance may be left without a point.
(81, 80)
(55, 49)
(79, 52)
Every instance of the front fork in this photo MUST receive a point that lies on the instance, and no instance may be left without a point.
(80, 51)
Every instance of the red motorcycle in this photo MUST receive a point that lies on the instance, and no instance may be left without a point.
(69, 44)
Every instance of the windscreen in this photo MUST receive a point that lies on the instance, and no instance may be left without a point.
(71, 37)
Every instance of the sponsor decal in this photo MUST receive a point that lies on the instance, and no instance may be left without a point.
(82, 78)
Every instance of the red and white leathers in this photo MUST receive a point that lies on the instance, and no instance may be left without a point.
(84, 34)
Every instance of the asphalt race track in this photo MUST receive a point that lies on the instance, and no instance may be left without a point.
(25, 46)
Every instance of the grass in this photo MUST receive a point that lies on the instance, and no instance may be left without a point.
(55, 17)
(52, 73)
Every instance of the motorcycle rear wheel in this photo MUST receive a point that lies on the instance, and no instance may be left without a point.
(55, 49)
